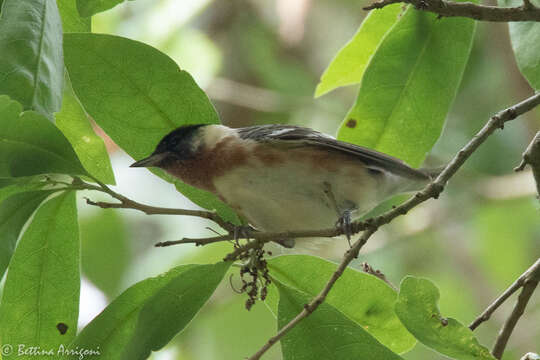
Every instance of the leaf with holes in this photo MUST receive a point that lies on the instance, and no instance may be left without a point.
(418, 310)
(138, 98)
(409, 85)
(42, 286)
(31, 65)
(373, 304)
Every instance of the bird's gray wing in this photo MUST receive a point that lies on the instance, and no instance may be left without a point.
(305, 136)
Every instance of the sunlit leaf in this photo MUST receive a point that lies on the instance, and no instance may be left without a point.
(14, 213)
(31, 145)
(417, 307)
(31, 65)
(325, 334)
(409, 85)
(350, 62)
(91, 7)
(42, 285)
(90, 148)
(373, 304)
(138, 97)
(71, 20)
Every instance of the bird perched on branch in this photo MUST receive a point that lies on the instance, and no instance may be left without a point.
(284, 178)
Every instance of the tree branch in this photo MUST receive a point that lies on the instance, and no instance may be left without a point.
(531, 157)
(126, 203)
(432, 190)
(528, 289)
(531, 273)
(526, 12)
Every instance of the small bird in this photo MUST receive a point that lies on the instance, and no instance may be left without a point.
(281, 177)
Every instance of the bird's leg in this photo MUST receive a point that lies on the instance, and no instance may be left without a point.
(344, 217)
(242, 232)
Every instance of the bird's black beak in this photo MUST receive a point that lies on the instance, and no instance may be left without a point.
(150, 161)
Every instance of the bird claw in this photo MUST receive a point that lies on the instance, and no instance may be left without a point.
(242, 232)
(344, 223)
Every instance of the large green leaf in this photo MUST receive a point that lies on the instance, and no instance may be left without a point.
(114, 327)
(418, 310)
(127, 329)
(90, 148)
(14, 213)
(373, 304)
(40, 302)
(138, 97)
(105, 229)
(31, 65)
(350, 62)
(71, 20)
(409, 85)
(91, 7)
(31, 145)
(171, 309)
(325, 334)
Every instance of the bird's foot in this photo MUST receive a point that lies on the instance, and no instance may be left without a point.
(242, 232)
(344, 223)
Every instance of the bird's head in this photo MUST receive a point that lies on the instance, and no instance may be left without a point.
(180, 144)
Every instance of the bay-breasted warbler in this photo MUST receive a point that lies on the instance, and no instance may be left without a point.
(281, 177)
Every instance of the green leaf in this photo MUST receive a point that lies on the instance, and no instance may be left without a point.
(42, 285)
(71, 20)
(105, 230)
(181, 291)
(31, 145)
(373, 307)
(349, 64)
(113, 328)
(325, 334)
(138, 98)
(525, 38)
(12, 186)
(14, 213)
(31, 65)
(90, 148)
(92, 7)
(409, 85)
(171, 309)
(418, 310)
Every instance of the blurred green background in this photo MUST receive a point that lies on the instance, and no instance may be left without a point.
(259, 61)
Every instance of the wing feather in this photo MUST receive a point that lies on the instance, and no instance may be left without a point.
(305, 136)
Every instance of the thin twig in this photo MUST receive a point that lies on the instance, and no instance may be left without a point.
(126, 203)
(432, 190)
(510, 323)
(532, 272)
(527, 12)
(531, 157)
